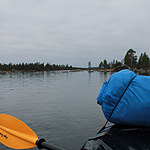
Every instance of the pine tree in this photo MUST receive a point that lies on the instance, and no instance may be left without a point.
(130, 58)
(144, 61)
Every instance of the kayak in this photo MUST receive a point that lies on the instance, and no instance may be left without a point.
(120, 137)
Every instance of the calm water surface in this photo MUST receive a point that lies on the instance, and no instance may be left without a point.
(59, 106)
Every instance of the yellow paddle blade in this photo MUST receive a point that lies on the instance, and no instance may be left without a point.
(16, 134)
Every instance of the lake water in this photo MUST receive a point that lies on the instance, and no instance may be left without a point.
(59, 106)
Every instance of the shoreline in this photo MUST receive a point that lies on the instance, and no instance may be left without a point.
(137, 71)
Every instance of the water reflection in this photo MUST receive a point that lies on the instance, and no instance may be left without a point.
(59, 106)
(89, 75)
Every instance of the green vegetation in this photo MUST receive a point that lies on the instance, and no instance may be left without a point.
(144, 61)
(113, 64)
(130, 60)
(33, 67)
(89, 65)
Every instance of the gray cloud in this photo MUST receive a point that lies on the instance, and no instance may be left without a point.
(72, 31)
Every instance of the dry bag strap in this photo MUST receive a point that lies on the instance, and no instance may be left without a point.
(115, 106)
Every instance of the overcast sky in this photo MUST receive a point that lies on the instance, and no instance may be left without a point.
(72, 31)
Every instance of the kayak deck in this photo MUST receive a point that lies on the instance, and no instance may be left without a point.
(119, 137)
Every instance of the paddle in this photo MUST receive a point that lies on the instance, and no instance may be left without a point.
(17, 135)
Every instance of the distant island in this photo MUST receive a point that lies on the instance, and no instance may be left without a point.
(33, 67)
(130, 61)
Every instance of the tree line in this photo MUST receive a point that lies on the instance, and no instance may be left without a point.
(33, 67)
(113, 64)
(130, 59)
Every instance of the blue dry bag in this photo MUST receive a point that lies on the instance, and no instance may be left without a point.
(125, 99)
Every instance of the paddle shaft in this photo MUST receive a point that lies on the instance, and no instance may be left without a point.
(50, 147)
(42, 144)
